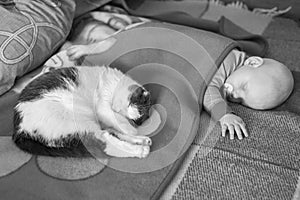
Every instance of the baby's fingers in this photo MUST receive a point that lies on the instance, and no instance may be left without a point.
(238, 131)
(224, 129)
(243, 127)
(231, 131)
(117, 23)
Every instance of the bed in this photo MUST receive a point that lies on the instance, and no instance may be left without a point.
(263, 166)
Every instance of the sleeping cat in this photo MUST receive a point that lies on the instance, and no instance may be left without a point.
(58, 110)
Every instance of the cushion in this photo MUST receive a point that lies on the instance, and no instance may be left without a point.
(30, 32)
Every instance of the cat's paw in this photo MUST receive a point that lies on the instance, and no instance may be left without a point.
(143, 152)
(139, 140)
(131, 131)
(146, 141)
(77, 51)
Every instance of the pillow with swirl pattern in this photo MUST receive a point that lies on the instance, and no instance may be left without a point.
(30, 32)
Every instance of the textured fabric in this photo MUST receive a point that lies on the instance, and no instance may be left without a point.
(30, 31)
(266, 166)
(263, 166)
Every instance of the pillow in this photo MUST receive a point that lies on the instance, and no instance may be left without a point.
(30, 32)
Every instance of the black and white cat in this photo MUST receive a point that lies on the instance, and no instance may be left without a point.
(60, 108)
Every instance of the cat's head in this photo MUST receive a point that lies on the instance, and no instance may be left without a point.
(139, 104)
(132, 101)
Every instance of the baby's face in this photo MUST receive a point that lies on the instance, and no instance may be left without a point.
(256, 84)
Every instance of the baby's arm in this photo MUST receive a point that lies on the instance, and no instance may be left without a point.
(77, 51)
(217, 106)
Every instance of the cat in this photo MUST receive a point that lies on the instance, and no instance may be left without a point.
(59, 109)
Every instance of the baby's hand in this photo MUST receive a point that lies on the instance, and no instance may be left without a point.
(77, 51)
(235, 124)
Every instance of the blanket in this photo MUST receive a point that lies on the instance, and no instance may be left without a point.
(175, 63)
(208, 15)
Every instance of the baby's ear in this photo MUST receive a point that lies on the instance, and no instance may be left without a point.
(254, 61)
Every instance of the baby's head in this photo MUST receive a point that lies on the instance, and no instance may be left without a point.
(261, 83)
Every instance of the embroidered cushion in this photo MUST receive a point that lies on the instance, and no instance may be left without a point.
(30, 32)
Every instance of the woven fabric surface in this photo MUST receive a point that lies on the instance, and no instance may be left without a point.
(266, 166)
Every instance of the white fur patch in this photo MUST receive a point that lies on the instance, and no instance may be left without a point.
(133, 112)
(55, 116)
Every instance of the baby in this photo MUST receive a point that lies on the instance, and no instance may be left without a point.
(258, 83)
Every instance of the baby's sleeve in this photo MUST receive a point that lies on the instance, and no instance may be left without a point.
(213, 101)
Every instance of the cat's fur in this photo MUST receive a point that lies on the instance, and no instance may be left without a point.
(58, 110)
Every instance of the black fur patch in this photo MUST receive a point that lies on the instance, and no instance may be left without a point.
(17, 119)
(49, 81)
(69, 146)
(142, 100)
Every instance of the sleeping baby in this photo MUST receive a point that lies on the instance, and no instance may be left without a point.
(257, 83)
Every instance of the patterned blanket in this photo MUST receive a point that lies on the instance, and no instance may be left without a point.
(176, 74)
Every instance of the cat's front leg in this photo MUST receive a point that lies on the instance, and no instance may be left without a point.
(116, 121)
(122, 124)
(118, 148)
(134, 139)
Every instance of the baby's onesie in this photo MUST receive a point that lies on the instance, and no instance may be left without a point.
(213, 102)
